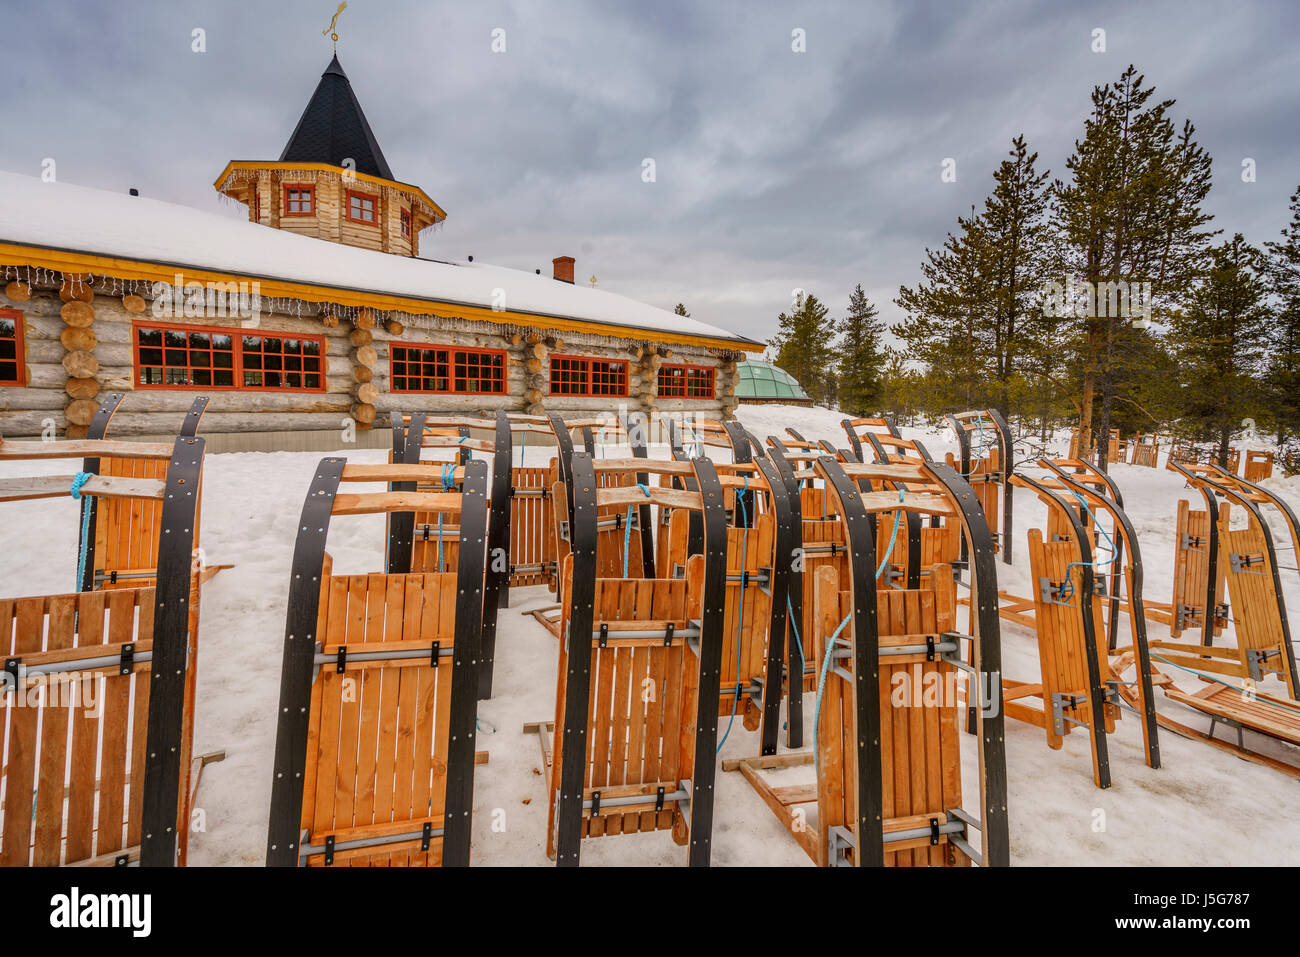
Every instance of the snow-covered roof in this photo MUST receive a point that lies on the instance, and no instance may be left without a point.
(108, 224)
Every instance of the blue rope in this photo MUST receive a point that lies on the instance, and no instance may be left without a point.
(830, 646)
(448, 479)
(78, 480)
(1067, 586)
(1226, 684)
(627, 528)
(740, 610)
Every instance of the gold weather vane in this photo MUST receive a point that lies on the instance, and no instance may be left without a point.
(331, 31)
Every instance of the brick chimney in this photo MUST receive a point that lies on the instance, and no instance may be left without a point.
(563, 268)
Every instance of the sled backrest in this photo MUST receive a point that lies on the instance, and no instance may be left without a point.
(374, 756)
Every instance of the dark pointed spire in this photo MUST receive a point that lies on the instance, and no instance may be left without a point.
(334, 128)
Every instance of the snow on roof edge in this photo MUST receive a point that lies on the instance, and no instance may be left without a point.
(98, 222)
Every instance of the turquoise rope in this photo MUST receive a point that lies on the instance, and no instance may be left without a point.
(740, 611)
(1067, 586)
(448, 479)
(79, 480)
(1226, 684)
(830, 646)
(627, 528)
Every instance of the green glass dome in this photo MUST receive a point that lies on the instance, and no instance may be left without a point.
(760, 381)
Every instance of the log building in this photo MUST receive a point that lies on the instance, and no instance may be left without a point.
(318, 310)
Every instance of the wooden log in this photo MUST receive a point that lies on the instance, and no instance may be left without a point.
(534, 337)
(74, 339)
(18, 291)
(367, 356)
(536, 408)
(133, 304)
(367, 393)
(75, 432)
(365, 320)
(534, 366)
(81, 411)
(82, 388)
(330, 320)
(362, 373)
(75, 286)
(363, 413)
(533, 396)
(395, 328)
(362, 337)
(515, 339)
(537, 350)
(80, 365)
(78, 314)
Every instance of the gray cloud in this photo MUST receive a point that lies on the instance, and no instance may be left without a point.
(775, 169)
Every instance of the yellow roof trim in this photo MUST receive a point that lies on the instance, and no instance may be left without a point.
(327, 168)
(15, 254)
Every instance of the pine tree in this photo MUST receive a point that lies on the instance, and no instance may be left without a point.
(803, 346)
(975, 319)
(680, 310)
(1283, 373)
(861, 356)
(1130, 213)
(1221, 341)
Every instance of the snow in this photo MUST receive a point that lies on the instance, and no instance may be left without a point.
(102, 223)
(1202, 807)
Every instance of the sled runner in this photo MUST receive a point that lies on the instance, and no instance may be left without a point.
(888, 785)
(374, 753)
(636, 715)
(858, 429)
(99, 685)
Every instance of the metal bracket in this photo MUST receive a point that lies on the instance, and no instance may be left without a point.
(1050, 593)
(929, 647)
(934, 832)
(595, 803)
(435, 651)
(1257, 662)
(127, 664)
(1241, 562)
(668, 634)
(329, 850)
(604, 634)
(342, 660)
(426, 835)
(1060, 701)
(1192, 543)
(659, 799)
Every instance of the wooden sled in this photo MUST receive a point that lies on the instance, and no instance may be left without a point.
(99, 685)
(1079, 681)
(636, 719)
(988, 468)
(122, 549)
(374, 753)
(888, 777)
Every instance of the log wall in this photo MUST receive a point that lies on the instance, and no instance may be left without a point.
(75, 353)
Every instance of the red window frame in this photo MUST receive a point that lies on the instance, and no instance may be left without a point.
(580, 376)
(456, 366)
(18, 360)
(406, 224)
(374, 207)
(245, 360)
(307, 188)
(686, 382)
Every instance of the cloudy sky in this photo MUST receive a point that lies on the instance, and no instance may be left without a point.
(774, 169)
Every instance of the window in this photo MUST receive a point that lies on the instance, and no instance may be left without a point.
(686, 382)
(572, 375)
(447, 370)
(361, 207)
(299, 200)
(189, 357)
(406, 223)
(12, 369)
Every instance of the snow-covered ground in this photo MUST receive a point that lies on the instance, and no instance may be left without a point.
(1202, 807)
